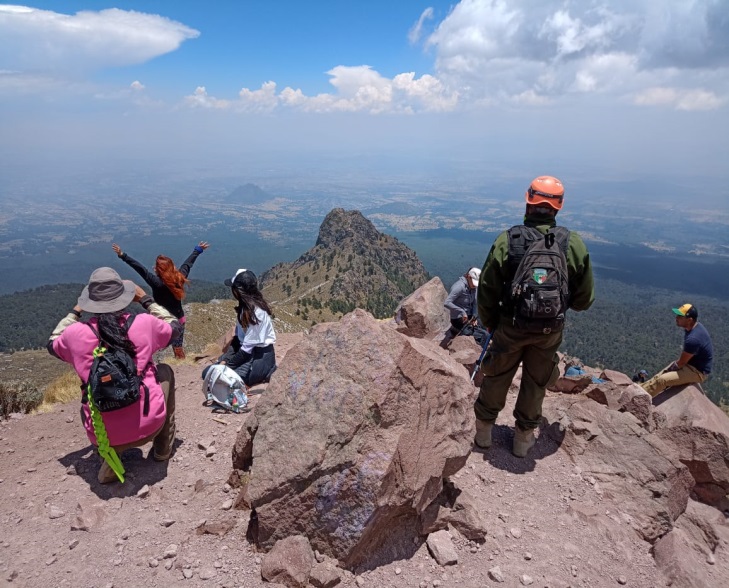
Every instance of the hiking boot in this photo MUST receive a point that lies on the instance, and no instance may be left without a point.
(523, 441)
(106, 475)
(483, 433)
(179, 352)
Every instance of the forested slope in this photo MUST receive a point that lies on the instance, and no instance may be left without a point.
(28, 317)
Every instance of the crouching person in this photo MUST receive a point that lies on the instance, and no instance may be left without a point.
(127, 401)
(250, 353)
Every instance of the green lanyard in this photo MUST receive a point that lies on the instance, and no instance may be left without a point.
(102, 440)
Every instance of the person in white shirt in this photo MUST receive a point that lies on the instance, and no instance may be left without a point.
(251, 353)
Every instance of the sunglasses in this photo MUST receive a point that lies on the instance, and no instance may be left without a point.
(532, 193)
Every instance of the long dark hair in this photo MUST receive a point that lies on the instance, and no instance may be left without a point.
(112, 332)
(247, 302)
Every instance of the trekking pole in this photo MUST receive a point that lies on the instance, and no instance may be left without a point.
(480, 357)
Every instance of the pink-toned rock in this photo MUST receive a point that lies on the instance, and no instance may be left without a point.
(626, 461)
(698, 430)
(324, 575)
(618, 378)
(571, 384)
(627, 398)
(289, 562)
(342, 430)
(422, 314)
(89, 514)
(458, 508)
(442, 549)
(466, 351)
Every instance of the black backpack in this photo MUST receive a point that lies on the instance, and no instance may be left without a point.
(113, 380)
(539, 290)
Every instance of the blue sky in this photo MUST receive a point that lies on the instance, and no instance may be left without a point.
(613, 87)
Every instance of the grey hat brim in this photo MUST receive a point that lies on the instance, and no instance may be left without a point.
(100, 307)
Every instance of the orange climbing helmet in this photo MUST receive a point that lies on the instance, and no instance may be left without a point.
(546, 190)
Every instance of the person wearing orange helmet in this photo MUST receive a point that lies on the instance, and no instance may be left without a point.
(533, 274)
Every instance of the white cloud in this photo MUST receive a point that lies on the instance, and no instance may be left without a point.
(679, 98)
(358, 89)
(33, 40)
(200, 99)
(137, 86)
(417, 29)
(544, 49)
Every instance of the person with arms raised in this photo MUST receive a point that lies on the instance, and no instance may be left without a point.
(168, 284)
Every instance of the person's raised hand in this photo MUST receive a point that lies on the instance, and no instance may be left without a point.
(117, 249)
(139, 293)
(203, 245)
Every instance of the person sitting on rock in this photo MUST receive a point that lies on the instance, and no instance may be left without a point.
(694, 364)
(461, 303)
(251, 353)
(168, 284)
(151, 419)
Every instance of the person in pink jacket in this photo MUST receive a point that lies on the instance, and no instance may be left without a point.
(152, 417)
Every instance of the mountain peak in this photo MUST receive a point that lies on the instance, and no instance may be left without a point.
(352, 265)
(342, 225)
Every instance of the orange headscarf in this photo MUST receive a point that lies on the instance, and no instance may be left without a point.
(171, 276)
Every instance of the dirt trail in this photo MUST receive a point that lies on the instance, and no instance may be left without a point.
(537, 532)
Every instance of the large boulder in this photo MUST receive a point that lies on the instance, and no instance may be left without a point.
(698, 430)
(353, 438)
(422, 314)
(625, 461)
(691, 554)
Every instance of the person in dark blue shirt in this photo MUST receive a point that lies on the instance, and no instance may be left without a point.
(697, 356)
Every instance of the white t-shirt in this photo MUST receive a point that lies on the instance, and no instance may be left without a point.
(259, 335)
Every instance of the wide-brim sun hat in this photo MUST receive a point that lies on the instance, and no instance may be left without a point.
(106, 292)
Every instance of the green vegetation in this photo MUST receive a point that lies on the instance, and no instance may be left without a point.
(27, 318)
(17, 396)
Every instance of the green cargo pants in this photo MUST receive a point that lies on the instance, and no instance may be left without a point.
(538, 355)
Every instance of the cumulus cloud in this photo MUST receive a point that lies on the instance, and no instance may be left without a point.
(137, 86)
(536, 51)
(417, 29)
(358, 89)
(33, 40)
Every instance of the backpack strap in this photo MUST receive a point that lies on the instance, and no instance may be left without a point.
(562, 235)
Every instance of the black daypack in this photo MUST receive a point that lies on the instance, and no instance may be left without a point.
(539, 291)
(113, 380)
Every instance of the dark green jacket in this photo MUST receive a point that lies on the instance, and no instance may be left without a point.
(494, 276)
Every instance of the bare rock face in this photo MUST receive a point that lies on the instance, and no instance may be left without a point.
(422, 314)
(624, 397)
(457, 508)
(572, 384)
(698, 431)
(353, 438)
(289, 562)
(625, 460)
(691, 553)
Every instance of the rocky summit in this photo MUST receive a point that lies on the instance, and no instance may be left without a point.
(352, 265)
(355, 468)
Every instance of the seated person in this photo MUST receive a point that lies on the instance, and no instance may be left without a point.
(461, 302)
(250, 353)
(694, 364)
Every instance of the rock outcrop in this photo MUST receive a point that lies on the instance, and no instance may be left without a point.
(698, 431)
(353, 439)
(422, 314)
